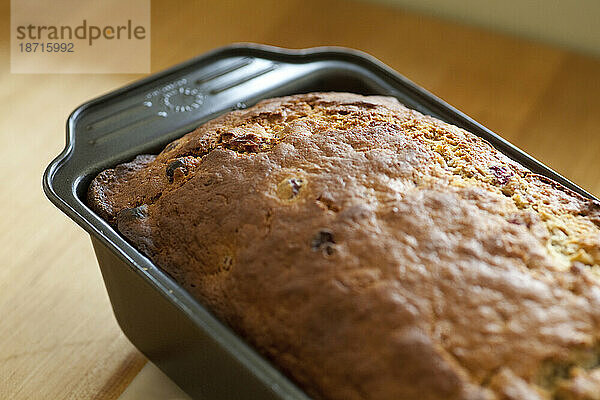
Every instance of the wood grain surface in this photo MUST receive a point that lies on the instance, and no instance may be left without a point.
(58, 338)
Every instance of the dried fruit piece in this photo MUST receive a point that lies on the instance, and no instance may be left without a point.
(323, 241)
(290, 188)
(501, 174)
(172, 166)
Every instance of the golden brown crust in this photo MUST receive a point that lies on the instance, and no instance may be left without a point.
(372, 252)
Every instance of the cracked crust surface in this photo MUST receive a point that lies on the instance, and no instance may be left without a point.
(372, 252)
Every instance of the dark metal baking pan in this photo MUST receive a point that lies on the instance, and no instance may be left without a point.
(160, 318)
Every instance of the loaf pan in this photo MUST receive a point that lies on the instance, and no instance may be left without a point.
(203, 356)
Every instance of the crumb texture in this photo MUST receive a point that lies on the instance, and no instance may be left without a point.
(372, 252)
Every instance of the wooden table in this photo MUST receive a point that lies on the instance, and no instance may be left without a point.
(58, 338)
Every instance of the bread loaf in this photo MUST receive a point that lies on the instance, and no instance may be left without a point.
(372, 252)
